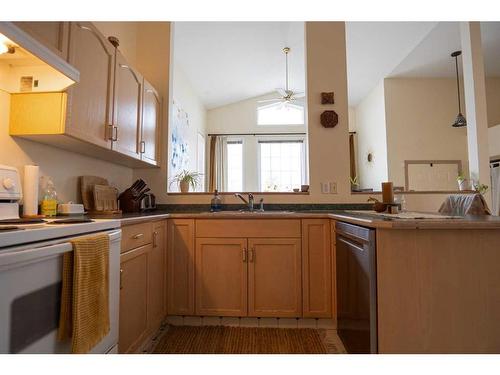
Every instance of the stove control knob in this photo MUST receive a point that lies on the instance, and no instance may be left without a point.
(8, 183)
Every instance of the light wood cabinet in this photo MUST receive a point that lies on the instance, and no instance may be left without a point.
(90, 103)
(274, 277)
(127, 108)
(180, 267)
(156, 278)
(151, 124)
(316, 268)
(221, 276)
(133, 298)
(53, 35)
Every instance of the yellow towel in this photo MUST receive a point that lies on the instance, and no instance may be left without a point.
(85, 293)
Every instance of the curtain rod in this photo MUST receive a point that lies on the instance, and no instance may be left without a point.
(254, 134)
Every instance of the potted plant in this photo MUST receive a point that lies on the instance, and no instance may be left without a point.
(480, 188)
(463, 182)
(186, 179)
(354, 183)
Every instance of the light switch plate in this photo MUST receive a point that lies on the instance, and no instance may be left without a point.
(333, 188)
(325, 188)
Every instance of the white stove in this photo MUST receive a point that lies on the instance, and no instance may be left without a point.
(30, 274)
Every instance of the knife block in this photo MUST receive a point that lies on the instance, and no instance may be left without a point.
(128, 202)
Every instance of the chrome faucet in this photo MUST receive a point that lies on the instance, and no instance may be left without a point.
(249, 203)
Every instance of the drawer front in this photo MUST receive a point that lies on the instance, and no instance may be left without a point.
(136, 235)
(255, 228)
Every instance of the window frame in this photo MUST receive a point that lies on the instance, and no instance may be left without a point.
(302, 139)
(265, 106)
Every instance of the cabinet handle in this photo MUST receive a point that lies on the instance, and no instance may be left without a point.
(137, 236)
(115, 134)
(244, 255)
(121, 278)
(251, 256)
(110, 130)
(143, 147)
(155, 236)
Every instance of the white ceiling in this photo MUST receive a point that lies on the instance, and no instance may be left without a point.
(374, 49)
(226, 62)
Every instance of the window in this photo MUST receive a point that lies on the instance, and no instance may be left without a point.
(234, 165)
(280, 114)
(200, 160)
(282, 165)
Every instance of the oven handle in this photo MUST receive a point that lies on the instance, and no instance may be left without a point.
(22, 257)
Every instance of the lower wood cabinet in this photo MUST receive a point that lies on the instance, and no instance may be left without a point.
(316, 268)
(133, 298)
(180, 267)
(221, 276)
(274, 277)
(142, 285)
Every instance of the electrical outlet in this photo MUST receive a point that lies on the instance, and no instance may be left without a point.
(333, 188)
(325, 188)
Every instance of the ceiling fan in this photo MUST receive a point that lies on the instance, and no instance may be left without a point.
(286, 94)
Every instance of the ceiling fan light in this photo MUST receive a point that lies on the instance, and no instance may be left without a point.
(460, 121)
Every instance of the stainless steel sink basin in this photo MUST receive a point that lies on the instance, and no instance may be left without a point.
(256, 212)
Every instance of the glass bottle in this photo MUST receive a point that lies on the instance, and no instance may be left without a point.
(216, 202)
(49, 200)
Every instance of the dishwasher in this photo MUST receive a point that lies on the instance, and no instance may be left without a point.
(356, 287)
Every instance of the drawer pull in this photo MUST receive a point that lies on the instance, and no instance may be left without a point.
(137, 236)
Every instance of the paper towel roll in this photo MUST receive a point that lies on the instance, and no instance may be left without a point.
(30, 190)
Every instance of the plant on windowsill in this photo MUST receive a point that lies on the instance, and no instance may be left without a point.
(480, 188)
(354, 184)
(186, 179)
(463, 182)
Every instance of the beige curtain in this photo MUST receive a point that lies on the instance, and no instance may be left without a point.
(218, 163)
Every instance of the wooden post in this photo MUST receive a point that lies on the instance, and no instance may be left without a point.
(475, 103)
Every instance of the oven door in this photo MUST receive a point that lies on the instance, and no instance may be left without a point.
(30, 296)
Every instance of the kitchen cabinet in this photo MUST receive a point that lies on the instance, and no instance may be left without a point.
(316, 268)
(90, 103)
(151, 124)
(53, 35)
(221, 276)
(133, 298)
(127, 108)
(142, 283)
(180, 267)
(156, 309)
(274, 277)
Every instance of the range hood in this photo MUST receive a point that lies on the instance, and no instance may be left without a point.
(26, 66)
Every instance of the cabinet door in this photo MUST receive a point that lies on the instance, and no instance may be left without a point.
(53, 35)
(316, 268)
(151, 120)
(274, 277)
(133, 298)
(156, 278)
(221, 276)
(180, 267)
(90, 102)
(127, 108)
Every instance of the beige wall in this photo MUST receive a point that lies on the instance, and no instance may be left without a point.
(493, 100)
(63, 166)
(419, 113)
(371, 138)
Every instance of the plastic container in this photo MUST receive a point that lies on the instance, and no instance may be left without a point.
(216, 202)
(49, 200)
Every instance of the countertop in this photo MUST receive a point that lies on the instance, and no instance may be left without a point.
(366, 220)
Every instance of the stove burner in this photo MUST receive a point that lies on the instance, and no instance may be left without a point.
(71, 221)
(9, 228)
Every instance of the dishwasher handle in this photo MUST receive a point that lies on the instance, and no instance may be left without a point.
(350, 243)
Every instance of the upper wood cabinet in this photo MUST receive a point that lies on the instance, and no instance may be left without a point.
(274, 277)
(54, 35)
(316, 268)
(180, 267)
(151, 124)
(127, 108)
(221, 276)
(90, 102)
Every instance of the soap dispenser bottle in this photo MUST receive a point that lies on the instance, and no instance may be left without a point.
(49, 201)
(216, 202)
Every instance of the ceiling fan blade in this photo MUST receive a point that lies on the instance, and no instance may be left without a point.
(282, 92)
(269, 100)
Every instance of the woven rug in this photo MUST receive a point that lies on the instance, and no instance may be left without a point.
(239, 340)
